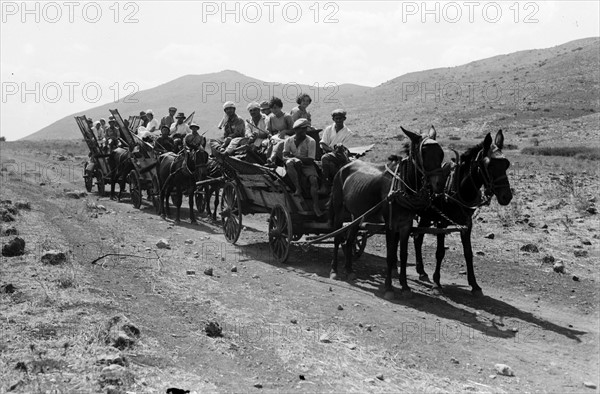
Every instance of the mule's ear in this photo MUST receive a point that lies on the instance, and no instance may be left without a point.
(499, 141)
(432, 133)
(414, 137)
(487, 142)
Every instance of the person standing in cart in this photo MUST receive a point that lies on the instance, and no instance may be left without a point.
(194, 141)
(179, 129)
(169, 119)
(299, 154)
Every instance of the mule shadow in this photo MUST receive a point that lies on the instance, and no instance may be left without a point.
(456, 304)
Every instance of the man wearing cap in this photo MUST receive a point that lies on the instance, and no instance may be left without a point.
(256, 126)
(232, 125)
(164, 143)
(265, 108)
(193, 140)
(169, 119)
(179, 129)
(299, 154)
(334, 135)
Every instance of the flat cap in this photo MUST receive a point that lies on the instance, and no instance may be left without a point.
(301, 123)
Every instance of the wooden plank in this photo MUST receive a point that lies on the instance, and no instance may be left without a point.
(126, 134)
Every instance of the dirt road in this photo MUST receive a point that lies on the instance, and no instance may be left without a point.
(284, 327)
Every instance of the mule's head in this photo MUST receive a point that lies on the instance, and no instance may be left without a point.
(494, 165)
(427, 156)
(198, 160)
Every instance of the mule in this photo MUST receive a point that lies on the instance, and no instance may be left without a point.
(120, 165)
(176, 172)
(483, 165)
(391, 194)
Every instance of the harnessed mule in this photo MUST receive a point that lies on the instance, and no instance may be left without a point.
(177, 172)
(391, 193)
(485, 166)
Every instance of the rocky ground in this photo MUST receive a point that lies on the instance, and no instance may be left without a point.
(94, 303)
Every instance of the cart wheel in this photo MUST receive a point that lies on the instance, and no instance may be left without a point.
(100, 183)
(359, 244)
(135, 189)
(231, 212)
(155, 194)
(280, 233)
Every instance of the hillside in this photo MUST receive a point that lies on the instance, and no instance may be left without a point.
(205, 94)
(529, 93)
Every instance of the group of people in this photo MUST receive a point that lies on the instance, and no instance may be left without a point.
(281, 138)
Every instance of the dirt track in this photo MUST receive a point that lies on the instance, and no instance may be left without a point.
(290, 328)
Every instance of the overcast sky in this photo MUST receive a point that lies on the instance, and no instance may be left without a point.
(64, 46)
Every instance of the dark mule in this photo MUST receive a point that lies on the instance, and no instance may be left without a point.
(214, 171)
(483, 165)
(120, 164)
(390, 193)
(179, 172)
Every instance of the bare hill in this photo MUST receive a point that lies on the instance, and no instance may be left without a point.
(527, 93)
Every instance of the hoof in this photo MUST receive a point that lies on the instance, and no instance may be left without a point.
(477, 293)
(424, 278)
(437, 290)
(351, 276)
(389, 295)
(333, 276)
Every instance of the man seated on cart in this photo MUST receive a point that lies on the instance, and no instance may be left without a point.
(299, 156)
(194, 141)
(333, 159)
(112, 134)
(164, 143)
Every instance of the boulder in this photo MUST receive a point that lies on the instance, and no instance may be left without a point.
(163, 244)
(531, 248)
(16, 247)
(53, 257)
(121, 333)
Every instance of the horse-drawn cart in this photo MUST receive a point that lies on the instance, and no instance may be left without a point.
(251, 189)
(144, 176)
(97, 167)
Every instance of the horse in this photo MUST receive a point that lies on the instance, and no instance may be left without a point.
(391, 194)
(120, 165)
(176, 172)
(482, 165)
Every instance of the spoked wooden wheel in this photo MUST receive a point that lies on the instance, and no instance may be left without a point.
(359, 244)
(231, 212)
(135, 189)
(280, 233)
(100, 183)
(155, 194)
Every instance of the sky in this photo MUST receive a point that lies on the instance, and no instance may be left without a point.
(59, 58)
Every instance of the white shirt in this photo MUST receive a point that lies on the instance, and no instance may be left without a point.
(154, 123)
(331, 137)
(251, 130)
(180, 128)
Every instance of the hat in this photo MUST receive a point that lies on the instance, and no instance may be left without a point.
(96, 123)
(172, 109)
(228, 104)
(180, 115)
(253, 105)
(165, 127)
(102, 119)
(264, 105)
(338, 112)
(142, 114)
(111, 119)
(301, 123)
(149, 111)
(194, 125)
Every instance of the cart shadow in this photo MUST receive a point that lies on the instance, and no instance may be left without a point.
(455, 304)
